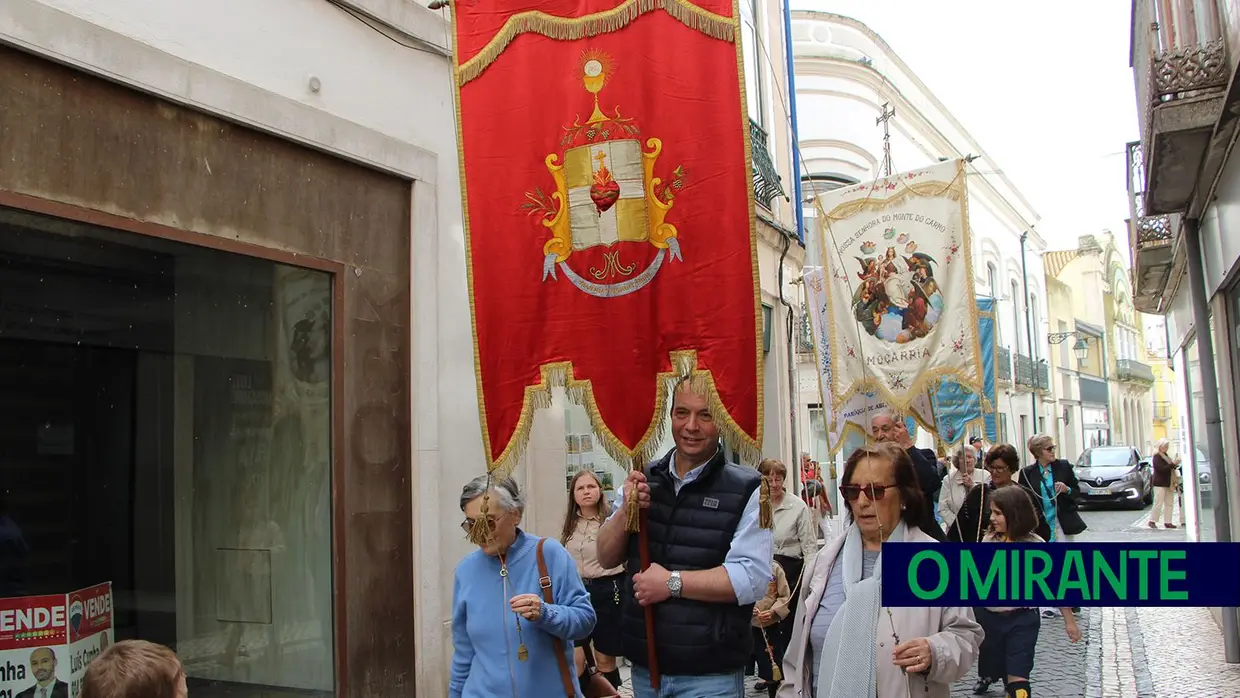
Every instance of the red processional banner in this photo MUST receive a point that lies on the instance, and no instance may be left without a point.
(609, 214)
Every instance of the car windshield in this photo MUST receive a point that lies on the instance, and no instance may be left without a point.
(1101, 457)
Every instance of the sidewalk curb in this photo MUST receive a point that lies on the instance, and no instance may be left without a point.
(1093, 653)
(1140, 667)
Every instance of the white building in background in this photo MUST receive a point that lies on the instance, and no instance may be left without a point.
(845, 74)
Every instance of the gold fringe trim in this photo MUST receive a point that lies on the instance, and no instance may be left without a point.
(581, 392)
(574, 28)
(766, 517)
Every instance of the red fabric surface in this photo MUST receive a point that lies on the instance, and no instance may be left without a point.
(676, 84)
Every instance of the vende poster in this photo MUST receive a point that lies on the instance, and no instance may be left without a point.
(609, 214)
(901, 305)
(47, 641)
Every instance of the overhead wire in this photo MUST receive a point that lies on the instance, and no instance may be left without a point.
(382, 29)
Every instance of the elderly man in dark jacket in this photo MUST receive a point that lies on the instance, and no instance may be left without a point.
(887, 427)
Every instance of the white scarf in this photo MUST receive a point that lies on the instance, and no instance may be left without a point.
(844, 672)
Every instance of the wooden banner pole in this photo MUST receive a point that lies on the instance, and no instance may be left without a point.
(643, 548)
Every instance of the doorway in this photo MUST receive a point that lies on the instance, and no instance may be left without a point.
(165, 427)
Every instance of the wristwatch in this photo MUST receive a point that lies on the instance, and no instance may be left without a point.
(674, 584)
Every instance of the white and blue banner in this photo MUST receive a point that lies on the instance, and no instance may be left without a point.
(960, 412)
(899, 301)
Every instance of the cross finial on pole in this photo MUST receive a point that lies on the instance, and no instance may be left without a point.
(889, 112)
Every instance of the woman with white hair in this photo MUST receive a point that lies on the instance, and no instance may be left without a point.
(507, 639)
(958, 483)
(1163, 481)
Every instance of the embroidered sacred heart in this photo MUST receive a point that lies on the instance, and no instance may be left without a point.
(605, 194)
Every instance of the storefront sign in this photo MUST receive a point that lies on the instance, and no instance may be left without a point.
(47, 641)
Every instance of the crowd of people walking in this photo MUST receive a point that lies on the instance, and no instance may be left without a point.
(737, 584)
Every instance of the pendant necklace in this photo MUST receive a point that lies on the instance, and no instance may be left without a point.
(523, 653)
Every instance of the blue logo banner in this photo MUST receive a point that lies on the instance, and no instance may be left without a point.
(1061, 574)
(956, 408)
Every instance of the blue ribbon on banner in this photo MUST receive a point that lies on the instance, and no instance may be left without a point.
(956, 408)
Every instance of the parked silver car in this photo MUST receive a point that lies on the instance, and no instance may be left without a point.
(1114, 475)
(1205, 486)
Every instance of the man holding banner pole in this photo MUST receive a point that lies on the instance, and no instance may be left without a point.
(702, 590)
(886, 427)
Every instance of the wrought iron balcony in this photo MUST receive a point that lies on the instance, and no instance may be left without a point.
(1181, 70)
(1162, 411)
(1152, 241)
(804, 332)
(1004, 367)
(767, 184)
(1032, 374)
(1133, 371)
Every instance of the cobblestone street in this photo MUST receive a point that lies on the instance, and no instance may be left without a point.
(1123, 652)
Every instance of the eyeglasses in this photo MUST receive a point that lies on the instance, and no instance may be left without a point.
(998, 468)
(468, 524)
(874, 492)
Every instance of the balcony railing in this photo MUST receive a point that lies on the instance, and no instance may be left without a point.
(804, 332)
(1032, 374)
(1133, 371)
(1162, 411)
(1005, 364)
(767, 184)
(1152, 240)
(1181, 70)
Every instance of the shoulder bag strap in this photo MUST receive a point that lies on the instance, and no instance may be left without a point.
(544, 581)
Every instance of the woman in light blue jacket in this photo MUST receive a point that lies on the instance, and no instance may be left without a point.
(503, 632)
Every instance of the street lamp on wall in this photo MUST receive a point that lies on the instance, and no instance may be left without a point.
(1081, 348)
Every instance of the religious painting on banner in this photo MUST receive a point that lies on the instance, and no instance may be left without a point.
(900, 303)
(960, 412)
(855, 415)
(609, 215)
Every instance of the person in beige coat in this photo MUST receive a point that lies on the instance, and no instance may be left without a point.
(958, 483)
(770, 637)
(915, 651)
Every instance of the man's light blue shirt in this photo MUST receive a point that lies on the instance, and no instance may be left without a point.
(748, 561)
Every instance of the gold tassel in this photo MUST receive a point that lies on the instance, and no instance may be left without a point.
(481, 531)
(523, 652)
(777, 674)
(766, 519)
(633, 512)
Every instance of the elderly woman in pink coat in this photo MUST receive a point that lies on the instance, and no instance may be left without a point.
(915, 651)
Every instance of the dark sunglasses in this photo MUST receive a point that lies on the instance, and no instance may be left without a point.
(874, 492)
(468, 524)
